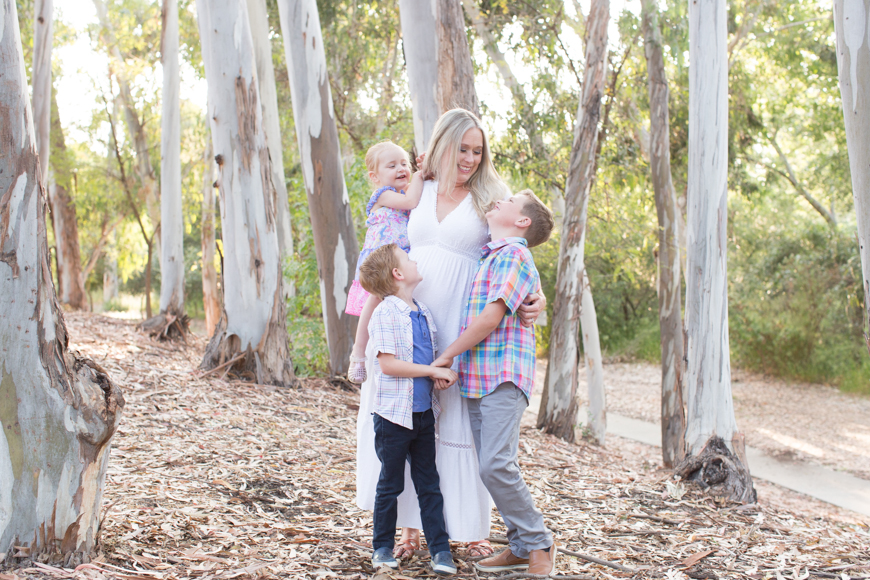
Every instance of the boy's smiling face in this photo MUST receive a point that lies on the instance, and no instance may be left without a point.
(507, 213)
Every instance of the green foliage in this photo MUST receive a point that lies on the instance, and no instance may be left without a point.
(796, 299)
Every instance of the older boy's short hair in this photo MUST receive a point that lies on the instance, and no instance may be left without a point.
(376, 271)
(542, 219)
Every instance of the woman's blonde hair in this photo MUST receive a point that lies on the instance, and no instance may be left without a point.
(485, 185)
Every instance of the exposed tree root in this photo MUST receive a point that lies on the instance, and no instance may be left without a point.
(719, 471)
(166, 326)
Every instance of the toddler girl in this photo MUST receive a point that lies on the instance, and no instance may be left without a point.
(387, 211)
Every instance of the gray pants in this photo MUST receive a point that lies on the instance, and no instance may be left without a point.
(495, 426)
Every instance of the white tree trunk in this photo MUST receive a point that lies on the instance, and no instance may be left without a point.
(421, 47)
(334, 238)
(710, 423)
(110, 278)
(593, 362)
(673, 413)
(253, 321)
(259, 18)
(852, 23)
(440, 71)
(171, 214)
(43, 12)
(559, 406)
(58, 412)
(211, 301)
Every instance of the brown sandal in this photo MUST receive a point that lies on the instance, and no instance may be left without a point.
(406, 546)
(479, 548)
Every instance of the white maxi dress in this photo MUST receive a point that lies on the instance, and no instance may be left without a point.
(447, 256)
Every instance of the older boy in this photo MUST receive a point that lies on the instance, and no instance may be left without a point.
(403, 335)
(497, 370)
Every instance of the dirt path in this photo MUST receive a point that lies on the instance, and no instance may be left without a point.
(792, 421)
(215, 479)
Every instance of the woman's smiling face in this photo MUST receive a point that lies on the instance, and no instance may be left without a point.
(469, 155)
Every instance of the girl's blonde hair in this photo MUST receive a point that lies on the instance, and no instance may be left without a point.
(373, 155)
(485, 185)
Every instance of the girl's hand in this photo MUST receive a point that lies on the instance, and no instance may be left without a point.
(531, 308)
(426, 174)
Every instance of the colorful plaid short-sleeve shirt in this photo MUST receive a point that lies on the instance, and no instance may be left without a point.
(507, 272)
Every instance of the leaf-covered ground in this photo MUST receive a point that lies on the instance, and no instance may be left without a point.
(213, 478)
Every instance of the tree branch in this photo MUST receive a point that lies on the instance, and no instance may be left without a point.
(792, 178)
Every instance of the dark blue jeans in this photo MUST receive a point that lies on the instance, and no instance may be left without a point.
(394, 444)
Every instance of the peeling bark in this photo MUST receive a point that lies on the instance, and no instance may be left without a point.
(253, 321)
(43, 19)
(58, 412)
(709, 403)
(853, 40)
(171, 213)
(259, 19)
(673, 413)
(559, 415)
(334, 238)
(440, 71)
(210, 297)
(720, 471)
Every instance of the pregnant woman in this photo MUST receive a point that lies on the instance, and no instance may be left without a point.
(446, 231)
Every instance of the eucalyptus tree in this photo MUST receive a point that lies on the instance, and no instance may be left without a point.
(70, 283)
(211, 302)
(171, 215)
(713, 443)
(58, 411)
(573, 301)
(259, 19)
(673, 414)
(320, 155)
(853, 40)
(440, 71)
(43, 19)
(252, 333)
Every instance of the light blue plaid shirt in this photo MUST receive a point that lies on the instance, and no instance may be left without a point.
(391, 332)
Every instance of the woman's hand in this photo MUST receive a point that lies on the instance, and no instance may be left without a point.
(531, 308)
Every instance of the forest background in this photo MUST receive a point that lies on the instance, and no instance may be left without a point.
(795, 299)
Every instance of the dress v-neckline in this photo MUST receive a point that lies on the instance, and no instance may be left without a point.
(451, 212)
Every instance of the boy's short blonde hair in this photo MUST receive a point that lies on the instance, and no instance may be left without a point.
(373, 155)
(376, 271)
(542, 219)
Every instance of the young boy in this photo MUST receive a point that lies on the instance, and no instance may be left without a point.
(497, 371)
(403, 335)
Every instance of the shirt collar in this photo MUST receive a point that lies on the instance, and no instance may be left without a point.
(401, 304)
(498, 244)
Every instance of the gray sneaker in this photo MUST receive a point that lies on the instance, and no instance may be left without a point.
(442, 563)
(384, 557)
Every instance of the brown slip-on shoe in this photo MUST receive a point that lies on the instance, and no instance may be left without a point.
(543, 563)
(504, 560)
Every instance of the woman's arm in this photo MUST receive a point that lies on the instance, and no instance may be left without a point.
(531, 308)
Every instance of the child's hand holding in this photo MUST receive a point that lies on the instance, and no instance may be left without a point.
(443, 374)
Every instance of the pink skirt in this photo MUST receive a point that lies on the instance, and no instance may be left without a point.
(356, 299)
